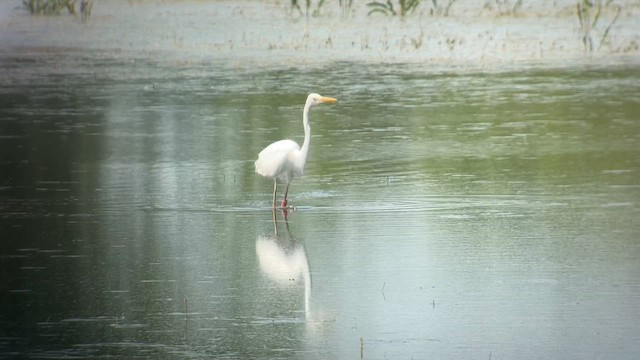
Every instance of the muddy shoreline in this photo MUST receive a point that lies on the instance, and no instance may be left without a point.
(267, 33)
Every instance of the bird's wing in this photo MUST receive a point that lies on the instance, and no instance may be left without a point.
(274, 159)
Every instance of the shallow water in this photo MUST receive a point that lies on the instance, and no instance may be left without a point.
(447, 212)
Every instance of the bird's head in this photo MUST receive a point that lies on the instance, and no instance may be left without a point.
(315, 99)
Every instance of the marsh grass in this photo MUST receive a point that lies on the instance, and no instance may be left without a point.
(56, 7)
(309, 10)
(504, 7)
(438, 9)
(85, 9)
(345, 7)
(404, 8)
(589, 14)
(50, 7)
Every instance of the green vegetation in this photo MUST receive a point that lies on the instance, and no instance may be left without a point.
(405, 7)
(439, 9)
(55, 7)
(308, 7)
(504, 7)
(345, 7)
(50, 7)
(589, 12)
(85, 9)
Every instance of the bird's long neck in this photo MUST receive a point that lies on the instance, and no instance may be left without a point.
(307, 133)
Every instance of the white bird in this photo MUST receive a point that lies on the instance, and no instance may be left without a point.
(285, 159)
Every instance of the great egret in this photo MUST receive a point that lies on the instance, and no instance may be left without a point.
(285, 159)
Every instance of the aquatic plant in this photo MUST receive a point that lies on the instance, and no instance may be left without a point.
(589, 12)
(295, 5)
(504, 7)
(345, 7)
(55, 7)
(405, 7)
(50, 7)
(418, 40)
(314, 12)
(438, 9)
(85, 9)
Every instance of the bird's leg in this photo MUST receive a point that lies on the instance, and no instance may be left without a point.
(275, 223)
(286, 192)
(275, 190)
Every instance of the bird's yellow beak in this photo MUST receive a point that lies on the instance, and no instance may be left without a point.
(325, 99)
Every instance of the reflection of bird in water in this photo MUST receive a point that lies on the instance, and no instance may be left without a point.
(283, 259)
(285, 159)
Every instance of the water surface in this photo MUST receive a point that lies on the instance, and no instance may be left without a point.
(444, 214)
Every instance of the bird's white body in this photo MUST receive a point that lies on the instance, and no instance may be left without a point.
(281, 160)
(284, 159)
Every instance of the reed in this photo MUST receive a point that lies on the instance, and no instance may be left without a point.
(589, 13)
(309, 9)
(345, 7)
(404, 8)
(85, 9)
(50, 7)
(507, 9)
(55, 7)
(438, 9)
